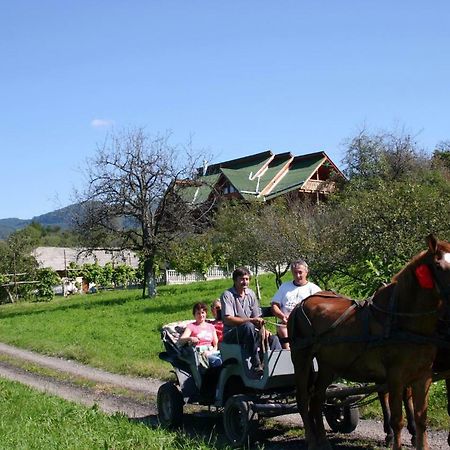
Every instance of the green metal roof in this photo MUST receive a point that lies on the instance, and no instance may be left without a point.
(299, 171)
(199, 191)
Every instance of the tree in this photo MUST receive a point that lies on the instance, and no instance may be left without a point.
(134, 196)
(441, 157)
(16, 258)
(270, 235)
(387, 155)
(192, 253)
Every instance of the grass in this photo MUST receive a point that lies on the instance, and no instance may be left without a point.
(116, 330)
(30, 420)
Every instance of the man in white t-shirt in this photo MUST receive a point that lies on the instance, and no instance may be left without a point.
(290, 294)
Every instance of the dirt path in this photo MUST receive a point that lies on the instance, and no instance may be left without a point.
(137, 401)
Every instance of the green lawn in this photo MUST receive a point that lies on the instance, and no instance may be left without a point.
(30, 420)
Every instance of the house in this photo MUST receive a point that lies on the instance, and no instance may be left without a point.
(264, 177)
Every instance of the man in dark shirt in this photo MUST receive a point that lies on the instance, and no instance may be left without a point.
(242, 319)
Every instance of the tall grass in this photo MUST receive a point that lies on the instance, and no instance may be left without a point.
(30, 420)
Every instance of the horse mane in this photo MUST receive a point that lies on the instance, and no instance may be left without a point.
(412, 264)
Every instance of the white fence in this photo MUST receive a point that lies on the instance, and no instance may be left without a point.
(173, 277)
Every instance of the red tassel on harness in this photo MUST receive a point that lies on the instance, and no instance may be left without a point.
(424, 276)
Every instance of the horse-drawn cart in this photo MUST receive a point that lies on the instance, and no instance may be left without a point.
(242, 399)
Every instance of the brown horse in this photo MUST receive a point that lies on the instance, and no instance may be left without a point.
(385, 341)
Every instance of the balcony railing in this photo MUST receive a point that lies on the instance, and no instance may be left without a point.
(322, 186)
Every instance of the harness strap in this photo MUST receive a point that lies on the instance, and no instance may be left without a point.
(374, 340)
(343, 316)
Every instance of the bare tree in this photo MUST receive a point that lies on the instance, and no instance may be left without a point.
(135, 196)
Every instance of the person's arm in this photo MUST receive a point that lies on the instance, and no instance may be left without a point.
(186, 337)
(215, 340)
(276, 311)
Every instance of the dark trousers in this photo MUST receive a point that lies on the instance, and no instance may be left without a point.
(247, 336)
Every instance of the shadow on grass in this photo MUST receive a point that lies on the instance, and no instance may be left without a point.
(208, 428)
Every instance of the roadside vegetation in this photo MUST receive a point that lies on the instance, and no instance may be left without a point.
(36, 421)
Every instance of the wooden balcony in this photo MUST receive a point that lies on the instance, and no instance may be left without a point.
(320, 186)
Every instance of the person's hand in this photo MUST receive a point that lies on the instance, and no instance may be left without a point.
(257, 321)
(284, 319)
(195, 340)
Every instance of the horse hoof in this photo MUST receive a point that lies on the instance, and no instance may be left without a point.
(389, 440)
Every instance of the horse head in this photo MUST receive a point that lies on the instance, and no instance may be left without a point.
(439, 252)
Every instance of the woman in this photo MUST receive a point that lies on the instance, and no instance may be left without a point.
(203, 336)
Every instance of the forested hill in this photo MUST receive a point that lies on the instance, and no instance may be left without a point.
(61, 218)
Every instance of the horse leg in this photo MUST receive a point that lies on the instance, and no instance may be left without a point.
(409, 410)
(420, 391)
(317, 402)
(395, 405)
(302, 360)
(383, 397)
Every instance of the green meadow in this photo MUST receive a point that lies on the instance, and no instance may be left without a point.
(115, 330)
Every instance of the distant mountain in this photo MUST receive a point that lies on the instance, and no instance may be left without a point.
(61, 218)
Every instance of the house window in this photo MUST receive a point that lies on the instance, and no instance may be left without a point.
(229, 189)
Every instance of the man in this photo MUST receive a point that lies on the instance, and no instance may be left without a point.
(242, 319)
(290, 294)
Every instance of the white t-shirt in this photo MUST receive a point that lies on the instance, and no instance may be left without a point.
(289, 294)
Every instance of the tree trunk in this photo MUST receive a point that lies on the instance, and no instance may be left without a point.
(149, 279)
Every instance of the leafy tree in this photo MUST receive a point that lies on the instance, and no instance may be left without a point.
(92, 273)
(441, 158)
(194, 253)
(134, 196)
(15, 258)
(47, 279)
(123, 275)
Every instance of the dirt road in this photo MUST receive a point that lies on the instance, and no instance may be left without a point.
(137, 401)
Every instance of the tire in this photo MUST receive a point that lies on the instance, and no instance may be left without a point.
(342, 418)
(170, 406)
(239, 421)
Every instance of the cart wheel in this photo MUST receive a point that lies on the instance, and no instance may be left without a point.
(170, 405)
(239, 421)
(342, 418)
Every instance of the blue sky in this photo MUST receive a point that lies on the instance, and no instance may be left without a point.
(239, 76)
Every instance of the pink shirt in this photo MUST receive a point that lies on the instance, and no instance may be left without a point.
(204, 332)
